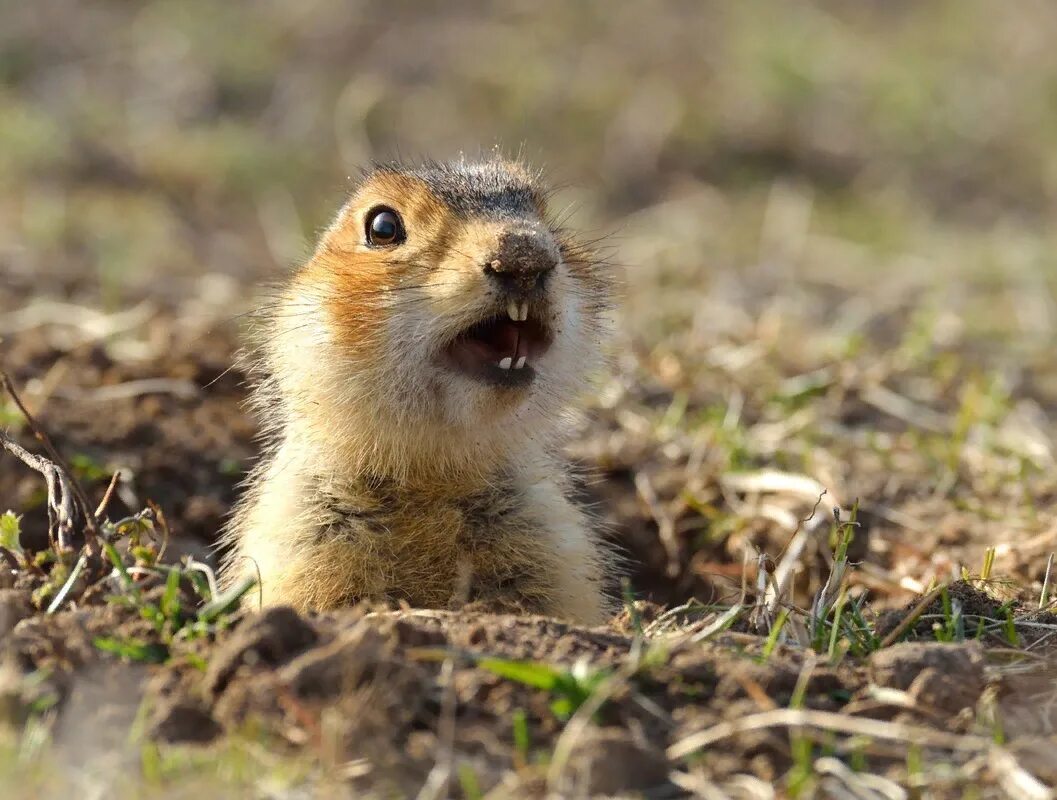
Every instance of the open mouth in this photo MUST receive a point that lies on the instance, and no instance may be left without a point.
(501, 349)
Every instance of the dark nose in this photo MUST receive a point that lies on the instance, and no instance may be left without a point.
(521, 262)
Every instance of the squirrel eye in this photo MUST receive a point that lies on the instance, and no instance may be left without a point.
(384, 228)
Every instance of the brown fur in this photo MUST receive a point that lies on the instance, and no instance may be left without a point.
(386, 475)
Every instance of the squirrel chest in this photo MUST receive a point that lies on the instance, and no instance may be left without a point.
(428, 547)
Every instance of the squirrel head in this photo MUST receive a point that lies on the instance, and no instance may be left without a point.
(443, 317)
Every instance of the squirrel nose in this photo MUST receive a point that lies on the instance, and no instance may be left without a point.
(521, 262)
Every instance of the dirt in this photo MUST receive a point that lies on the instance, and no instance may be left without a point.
(183, 447)
(975, 606)
(404, 691)
(924, 670)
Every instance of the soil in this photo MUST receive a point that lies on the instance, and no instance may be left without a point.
(185, 448)
(403, 693)
(402, 689)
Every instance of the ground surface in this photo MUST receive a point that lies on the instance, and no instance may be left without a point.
(832, 232)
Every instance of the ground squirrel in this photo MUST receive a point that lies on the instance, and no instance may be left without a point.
(415, 377)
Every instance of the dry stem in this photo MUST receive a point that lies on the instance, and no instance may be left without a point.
(68, 508)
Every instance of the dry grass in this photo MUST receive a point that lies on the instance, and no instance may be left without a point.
(833, 227)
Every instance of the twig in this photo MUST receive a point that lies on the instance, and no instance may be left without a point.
(1016, 780)
(760, 617)
(439, 779)
(66, 499)
(65, 590)
(775, 481)
(107, 495)
(912, 617)
(726, 619)
(1044, 595)
(438, 782)
(859, 784)
(790, 557)
(62, 510)
(834, 585)
(159, 517)
(719, 624)
(906, 410)
(205, 569)
(181, 389)
(260, 581)
(91, 324)
(827, 721)
(671, 614)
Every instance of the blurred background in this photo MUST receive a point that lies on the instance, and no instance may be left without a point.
(833, 222)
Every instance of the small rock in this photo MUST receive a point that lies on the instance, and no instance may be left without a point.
(897, 667)
(610, 761)
(270, 638)
(326, 672)
(945, 692)
(182, 721)
(411, 633)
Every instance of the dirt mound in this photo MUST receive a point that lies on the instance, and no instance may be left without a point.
(517, 701)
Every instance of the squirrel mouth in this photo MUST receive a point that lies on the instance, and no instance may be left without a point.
(500, 349)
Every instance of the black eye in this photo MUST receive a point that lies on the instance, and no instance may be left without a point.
(384, 228)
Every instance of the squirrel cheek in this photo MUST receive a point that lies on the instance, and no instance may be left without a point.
(355, 313)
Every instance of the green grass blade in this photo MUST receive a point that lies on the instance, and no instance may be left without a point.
(119, 565)
(538, 676)
(133, 649)
(227, 601)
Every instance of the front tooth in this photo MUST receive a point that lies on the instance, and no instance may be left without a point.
(523, 312)
(512, 310)
(504, 363)
(521, 362)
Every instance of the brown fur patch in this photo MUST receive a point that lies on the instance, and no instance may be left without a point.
(359, 281)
